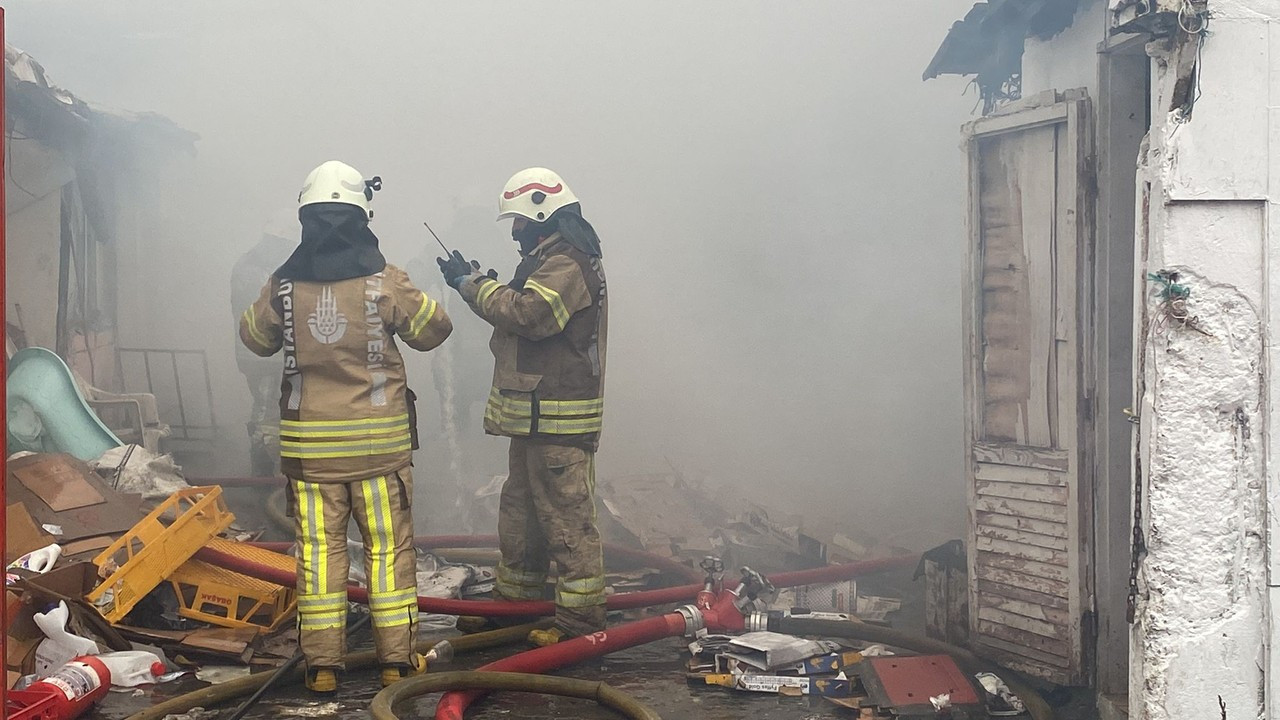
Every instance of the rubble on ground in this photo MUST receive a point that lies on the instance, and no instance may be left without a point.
(81, 581)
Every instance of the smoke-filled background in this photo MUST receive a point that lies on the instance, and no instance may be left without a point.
(779, 195)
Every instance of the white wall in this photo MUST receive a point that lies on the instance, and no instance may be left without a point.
(1070, 59)
(31, 269)
(1204, 424)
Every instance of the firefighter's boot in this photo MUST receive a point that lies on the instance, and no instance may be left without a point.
(543, 638)
(395, 673)
(322, 680)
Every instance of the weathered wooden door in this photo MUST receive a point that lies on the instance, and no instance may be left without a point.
(1029, 550)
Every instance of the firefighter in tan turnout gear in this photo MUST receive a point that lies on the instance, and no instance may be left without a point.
(547, 396)
(335, 308)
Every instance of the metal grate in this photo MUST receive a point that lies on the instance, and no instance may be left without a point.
(180, 382)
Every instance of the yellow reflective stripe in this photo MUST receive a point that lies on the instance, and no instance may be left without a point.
(570, 407)
(315, 554)
(572, 426)
(423, 316)
(303, 424)
(553, 299)
(322, 621)
(252, 323)
(519, 584)
(585, 585)
(517, 592)
(520, 577)
(374, 446)
(337, 444)
(393, 599)
(344, 428)
(377, 509)
(523, 408)
(345, 453)
(353, 435)
(327, 601)
(391, 618)
(580, 593)
(487, 288)
(564, 598)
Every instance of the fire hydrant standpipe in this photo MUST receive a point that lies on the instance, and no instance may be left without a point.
(606, 695)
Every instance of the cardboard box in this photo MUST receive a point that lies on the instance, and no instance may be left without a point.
(765, 650)
(830, 664)
(21, 533)
(838, 686)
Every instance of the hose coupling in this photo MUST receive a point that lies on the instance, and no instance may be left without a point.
(756, 622)
(693, 619)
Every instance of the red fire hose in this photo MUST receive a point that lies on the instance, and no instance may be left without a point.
(720, 615)
(489, 608)
(454, 704)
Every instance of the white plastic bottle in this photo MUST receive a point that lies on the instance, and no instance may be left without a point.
(130, 668)
(59, 646)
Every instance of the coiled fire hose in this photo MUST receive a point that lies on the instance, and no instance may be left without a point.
(606, 695)
(241, 687)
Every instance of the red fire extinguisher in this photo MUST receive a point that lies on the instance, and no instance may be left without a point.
(64, 695)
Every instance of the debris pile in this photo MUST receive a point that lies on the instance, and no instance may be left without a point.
(102, 588)
(876, 681)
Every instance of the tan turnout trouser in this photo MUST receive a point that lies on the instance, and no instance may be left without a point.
(548, 513)
(380, 506)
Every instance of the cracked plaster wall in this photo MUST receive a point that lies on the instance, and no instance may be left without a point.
(1205, 429)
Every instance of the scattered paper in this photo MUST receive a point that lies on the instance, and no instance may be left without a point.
(218, 674)
(323, 710)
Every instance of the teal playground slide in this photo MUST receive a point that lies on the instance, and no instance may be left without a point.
(47, 413)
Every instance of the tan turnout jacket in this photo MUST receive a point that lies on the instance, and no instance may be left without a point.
(346, 411)
(550, 324)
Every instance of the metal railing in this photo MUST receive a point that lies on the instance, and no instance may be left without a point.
(156, 360)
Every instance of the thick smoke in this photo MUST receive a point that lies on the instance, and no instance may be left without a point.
(781, 201)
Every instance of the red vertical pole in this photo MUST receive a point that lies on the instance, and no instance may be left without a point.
(4, 374)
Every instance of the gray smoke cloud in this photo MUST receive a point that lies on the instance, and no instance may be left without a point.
(780, 198)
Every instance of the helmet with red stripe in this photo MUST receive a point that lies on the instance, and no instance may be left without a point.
(535, 194)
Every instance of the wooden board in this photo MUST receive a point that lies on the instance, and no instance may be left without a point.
(118, 513)
(59, 483)
(1029, 568)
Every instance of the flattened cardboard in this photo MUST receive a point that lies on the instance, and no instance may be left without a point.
(225, 643)
(57, 482)
(87, 547)
(21, 533)
(118, 514)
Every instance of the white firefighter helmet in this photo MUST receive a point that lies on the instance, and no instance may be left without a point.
(338, 182)
(535, 194)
